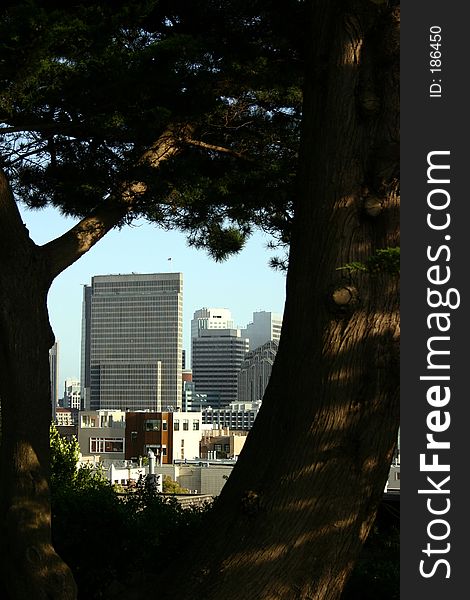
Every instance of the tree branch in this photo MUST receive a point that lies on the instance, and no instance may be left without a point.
(13, 229)
(68, 248)
(215, 148)
(20, 156)
(37, 126)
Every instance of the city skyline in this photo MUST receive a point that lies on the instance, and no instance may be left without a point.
(243, 284)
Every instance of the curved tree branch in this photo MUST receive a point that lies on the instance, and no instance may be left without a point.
(63, 251)
(215, 148)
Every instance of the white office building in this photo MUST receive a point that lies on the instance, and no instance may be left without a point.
(211, 318)
(237, 415)
(265, 327)
(72, 396)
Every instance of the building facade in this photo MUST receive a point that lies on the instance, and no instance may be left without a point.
(54, 377)
(72, 396)
(66, 417)
(255, 372)
(101, 436)
(132, 340)
(222, 443)
(169, 435)
(192, 401)
(237, 415)
(217, 357)
(265, 327)
(66, 421)
(209, 318)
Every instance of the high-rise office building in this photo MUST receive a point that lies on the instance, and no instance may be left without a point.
(54, 376)
(132, 342)
(217, 358)
(266, 326)
(255, 372)
(72, 398)
(211, 318)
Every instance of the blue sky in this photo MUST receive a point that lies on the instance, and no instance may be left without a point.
(244, 283)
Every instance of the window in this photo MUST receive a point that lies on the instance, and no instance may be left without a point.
(185, 424)
(226, 447)
(88, 421)
(218, 447)
(133, 436)
(176, 425)
(195, 425)
(153, 425)
(164, 425)
(103, 445)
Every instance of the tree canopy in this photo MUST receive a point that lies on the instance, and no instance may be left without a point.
(88, 90)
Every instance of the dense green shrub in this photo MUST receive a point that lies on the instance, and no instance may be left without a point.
(106, 537)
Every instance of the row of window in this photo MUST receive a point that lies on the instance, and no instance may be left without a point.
(209, 412)
(159, 425)
(155, 425)
(102, 421)
(218, 447)
(176, 425)
(102, 445)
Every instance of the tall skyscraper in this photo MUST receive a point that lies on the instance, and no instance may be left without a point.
(132, 336)
(217, 358)
(266, 326)
(255, 372)
(54, 376)
(209, 318)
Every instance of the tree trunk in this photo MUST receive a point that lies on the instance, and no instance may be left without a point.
(29, 566)
(293, 516)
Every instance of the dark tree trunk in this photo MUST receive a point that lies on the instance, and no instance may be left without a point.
(294, 514)
(29, 566)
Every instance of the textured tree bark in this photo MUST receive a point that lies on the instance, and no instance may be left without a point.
(294, 514)
(29, 566)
